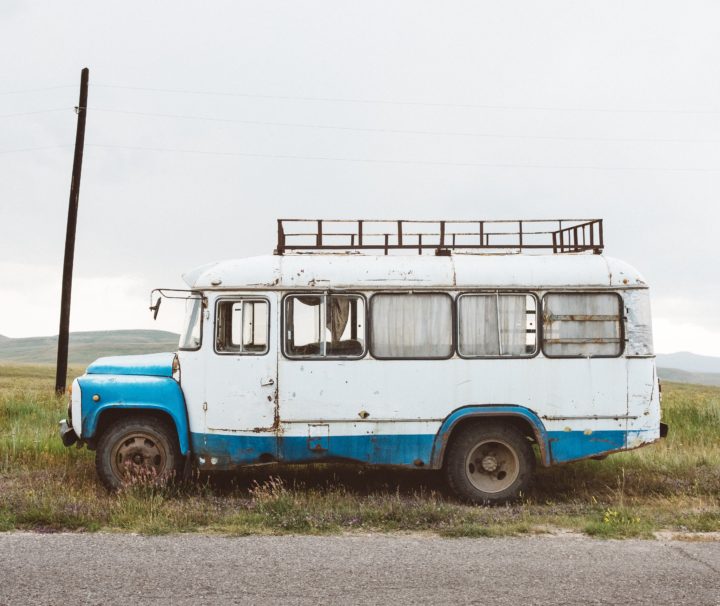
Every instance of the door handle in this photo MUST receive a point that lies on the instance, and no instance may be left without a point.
(266, 382)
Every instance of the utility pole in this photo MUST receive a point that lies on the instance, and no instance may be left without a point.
(64, 334)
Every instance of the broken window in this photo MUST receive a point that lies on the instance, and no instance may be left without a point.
(242, 326)
(323, 326)
(582, 325)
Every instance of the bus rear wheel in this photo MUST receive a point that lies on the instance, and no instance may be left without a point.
(139, 449)
(489, 463)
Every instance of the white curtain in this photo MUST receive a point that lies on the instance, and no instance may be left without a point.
(582, 324)
(493, 325)
(411, 326)
(513, 324)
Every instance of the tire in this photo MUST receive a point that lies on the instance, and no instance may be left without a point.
(489, 463)
(138, 449)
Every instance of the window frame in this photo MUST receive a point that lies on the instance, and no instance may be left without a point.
(203, 308)
(621, 317)
(453, 327)
(239, 298)
(538, 323)
(322, 293)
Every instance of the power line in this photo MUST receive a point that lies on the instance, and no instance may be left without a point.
(374, 101)
(373, 161)
(374, 130)
(32, 149)
(409, 103)
(35, 90)
(405, 162)
(402, 131)
(40, 111)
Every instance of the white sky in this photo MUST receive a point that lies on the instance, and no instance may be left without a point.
(578, 109)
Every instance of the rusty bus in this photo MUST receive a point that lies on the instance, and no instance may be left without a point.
(482, 365)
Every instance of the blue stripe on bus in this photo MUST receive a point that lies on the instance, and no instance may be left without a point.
(222, 451)
(384, 449)
(572, 445)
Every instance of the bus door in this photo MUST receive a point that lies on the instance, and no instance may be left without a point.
(241, 377)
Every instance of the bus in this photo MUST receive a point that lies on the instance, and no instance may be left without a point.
(479, 348)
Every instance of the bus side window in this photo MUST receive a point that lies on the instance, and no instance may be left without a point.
(345, 325)
(241, 326)
(324, 326)
(586, 325)
(411, 326)
(497, 325)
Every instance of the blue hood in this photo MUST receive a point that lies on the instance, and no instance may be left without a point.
(150, 365)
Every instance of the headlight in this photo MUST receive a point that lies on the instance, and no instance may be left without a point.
(176, 368)
(75, 413)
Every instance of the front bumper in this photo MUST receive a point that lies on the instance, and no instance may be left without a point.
(67, 434)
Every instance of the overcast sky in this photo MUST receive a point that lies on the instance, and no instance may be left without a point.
(517, 110)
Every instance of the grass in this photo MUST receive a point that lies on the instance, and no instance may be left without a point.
(673, 485)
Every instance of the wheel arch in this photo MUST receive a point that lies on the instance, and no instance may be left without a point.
(518, 416)
(111, 414)
(106, 398)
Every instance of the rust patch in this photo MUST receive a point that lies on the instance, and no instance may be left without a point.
(275, 427)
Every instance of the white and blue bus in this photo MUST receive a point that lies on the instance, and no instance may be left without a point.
(478, 364)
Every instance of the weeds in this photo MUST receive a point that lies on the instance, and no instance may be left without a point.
(672, 485)
(620, 523)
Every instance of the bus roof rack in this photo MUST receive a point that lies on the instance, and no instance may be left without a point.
(441, 237)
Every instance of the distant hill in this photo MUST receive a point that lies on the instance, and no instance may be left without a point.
(683, 376)
(689, 362)
(87, 346)
(686, 367)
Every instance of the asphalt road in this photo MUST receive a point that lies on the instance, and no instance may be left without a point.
(367, 569)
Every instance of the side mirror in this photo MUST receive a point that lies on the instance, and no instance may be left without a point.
(156, 308)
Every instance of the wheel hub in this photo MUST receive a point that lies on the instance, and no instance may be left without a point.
(492, 466)
(139, 451)
(489, 463)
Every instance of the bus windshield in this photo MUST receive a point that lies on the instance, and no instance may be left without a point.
(191, 335)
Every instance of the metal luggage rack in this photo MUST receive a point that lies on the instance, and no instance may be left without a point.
(440, 237)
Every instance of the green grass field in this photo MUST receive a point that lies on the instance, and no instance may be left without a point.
(672, 485)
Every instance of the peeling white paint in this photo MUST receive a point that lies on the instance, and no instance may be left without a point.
(356, 271)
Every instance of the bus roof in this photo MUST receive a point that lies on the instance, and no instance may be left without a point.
(357, 271)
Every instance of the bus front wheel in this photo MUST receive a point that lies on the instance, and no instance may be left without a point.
(138, 449)
(489, 463)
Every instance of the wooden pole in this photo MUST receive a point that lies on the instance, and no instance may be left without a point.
(64, 334)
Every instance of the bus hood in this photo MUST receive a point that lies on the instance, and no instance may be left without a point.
(150, 365)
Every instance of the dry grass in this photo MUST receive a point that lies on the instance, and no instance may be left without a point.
(672, 486)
